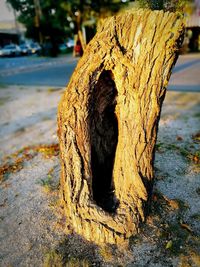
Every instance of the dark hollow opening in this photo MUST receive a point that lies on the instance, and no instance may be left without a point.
(104, 138)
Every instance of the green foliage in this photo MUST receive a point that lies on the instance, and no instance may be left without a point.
(152, 4)
(168, 5)
(54, 259)
(47, 24)
(51, 22)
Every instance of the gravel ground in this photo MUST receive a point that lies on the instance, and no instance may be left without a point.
(32, 223)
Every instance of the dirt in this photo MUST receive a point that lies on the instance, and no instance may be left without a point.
(33, 226)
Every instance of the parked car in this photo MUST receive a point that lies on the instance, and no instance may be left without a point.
(1, 52)
(70, 43)
(25, 49)
(35, 48)
(62, 47)
(10, 50)
(5, 52)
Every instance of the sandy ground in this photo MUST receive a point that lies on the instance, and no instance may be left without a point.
(32, 224)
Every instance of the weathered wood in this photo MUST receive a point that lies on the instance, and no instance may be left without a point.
(108, 121)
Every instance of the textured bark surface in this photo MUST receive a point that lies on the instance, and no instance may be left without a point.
(108, 121)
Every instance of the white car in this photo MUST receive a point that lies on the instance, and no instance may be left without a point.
(70, 43)
(25, 49)
(4, 52)
(10, 50)
(35, 48)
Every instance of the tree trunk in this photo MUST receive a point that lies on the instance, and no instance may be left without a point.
(108, 122)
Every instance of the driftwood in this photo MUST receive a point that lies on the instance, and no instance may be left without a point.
(108, 122)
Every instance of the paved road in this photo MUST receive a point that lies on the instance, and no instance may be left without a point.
(186, 74)
(36, 70)
(57, 71)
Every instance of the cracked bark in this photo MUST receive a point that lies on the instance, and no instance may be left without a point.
(108, 120)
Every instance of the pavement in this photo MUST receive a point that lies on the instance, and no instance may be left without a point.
(31, 71)
(30, 63)
(186, 74)
(57, 72)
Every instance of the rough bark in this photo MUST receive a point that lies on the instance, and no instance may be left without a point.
(108, 121)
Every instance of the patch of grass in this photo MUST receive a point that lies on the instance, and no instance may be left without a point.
(48, 151)
(14, 163)
(185, 152)
(55, 259)
(76, 251)
(3, 86)
(185, 119)
(197, 115)
(4, 100)
(46, 182)
(49, 182)
(14, 166)
(159, 146)
(52, 90)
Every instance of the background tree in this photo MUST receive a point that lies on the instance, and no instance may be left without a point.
(50, 26)
(57, 20)
(82, 12)
(168, 5)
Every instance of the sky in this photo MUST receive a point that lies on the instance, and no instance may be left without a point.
(5, 13)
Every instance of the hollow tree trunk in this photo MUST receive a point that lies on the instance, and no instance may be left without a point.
(108, 121)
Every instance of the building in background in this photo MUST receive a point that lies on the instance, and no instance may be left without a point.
(10, 30)
(193, 29)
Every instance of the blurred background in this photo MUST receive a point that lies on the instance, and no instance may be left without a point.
(50, 28)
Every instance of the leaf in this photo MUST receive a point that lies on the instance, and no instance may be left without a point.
(187, 227)
(179, 138)
(174, 204)
(169, 244)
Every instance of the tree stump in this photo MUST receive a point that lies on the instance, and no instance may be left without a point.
(108, 122)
